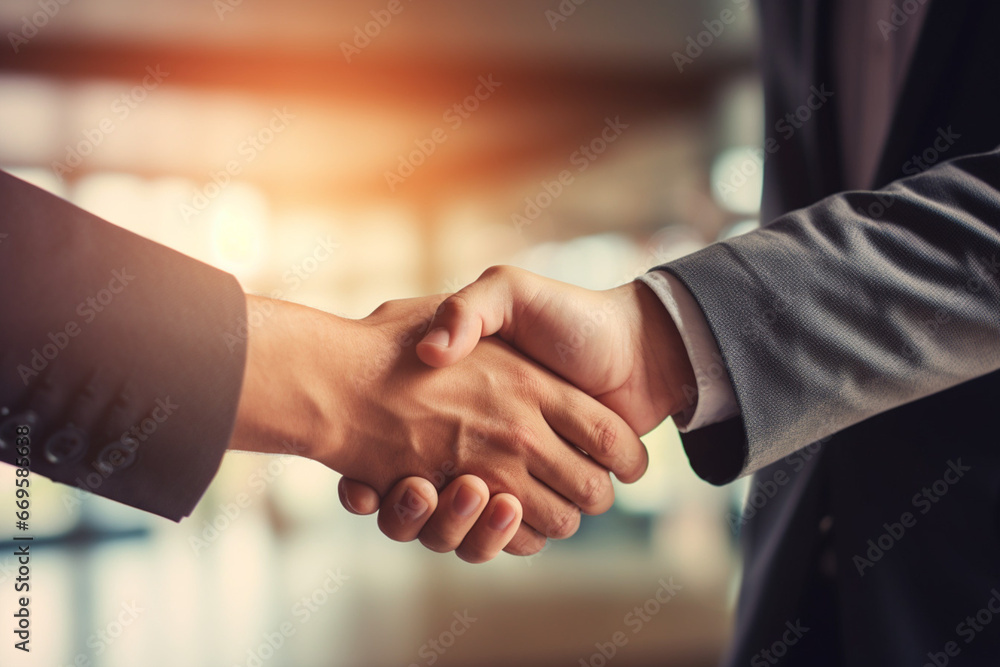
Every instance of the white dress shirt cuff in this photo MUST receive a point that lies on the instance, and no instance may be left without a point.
(713, 400)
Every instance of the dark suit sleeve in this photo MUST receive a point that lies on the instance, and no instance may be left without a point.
(848, 308)
(123, 357)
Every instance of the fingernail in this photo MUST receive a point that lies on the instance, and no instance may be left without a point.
(414, 505)
(344, 498)
(466, 501)
(439, 337)
(347, 502)
(502, 515)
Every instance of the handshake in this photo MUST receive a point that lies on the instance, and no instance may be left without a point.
(483, 421)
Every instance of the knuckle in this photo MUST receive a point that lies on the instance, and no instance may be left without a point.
(596, 491)
(497, 271)
(605, 438)
(454, 304)
(526, 378)
(565, 524)
(523, 439)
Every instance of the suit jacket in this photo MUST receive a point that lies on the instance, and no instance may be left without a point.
(861, 333)
(114, 352)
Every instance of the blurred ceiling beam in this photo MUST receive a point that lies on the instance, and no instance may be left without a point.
(576, 96)
(408, 78)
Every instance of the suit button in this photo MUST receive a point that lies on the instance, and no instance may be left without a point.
(118, 455)
(66, 446)
(8, 429)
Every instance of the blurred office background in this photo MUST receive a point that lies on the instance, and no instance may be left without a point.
(249, 134)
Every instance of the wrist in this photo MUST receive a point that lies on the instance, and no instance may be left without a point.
(291, 382)
(663, 357)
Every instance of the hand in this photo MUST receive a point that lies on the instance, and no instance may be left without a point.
(356, 396)
(620, 345)
(465, 520)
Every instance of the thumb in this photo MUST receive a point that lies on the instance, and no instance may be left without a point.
(480, 309)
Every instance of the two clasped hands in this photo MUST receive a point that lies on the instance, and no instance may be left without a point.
(518, 395)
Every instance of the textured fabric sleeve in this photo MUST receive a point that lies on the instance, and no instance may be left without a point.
(848, 308)
(124, 358)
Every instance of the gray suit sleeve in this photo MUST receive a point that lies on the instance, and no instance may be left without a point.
(122, 357)
(848, 308)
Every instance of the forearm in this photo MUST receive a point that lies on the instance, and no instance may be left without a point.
(291, 399)
(114, 349)
(855, 305)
